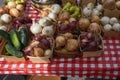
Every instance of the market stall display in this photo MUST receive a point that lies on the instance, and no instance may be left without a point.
(39, 29)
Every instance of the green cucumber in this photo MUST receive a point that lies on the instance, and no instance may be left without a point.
(15, 39)
(24, 39)
(5, 35)
(12, 51)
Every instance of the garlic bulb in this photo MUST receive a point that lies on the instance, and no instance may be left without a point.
(52, 16)
(95, 12)
(99, 7)
(48, 30)
(107, 27)
(3, 28)
(113, 20)
(90, 5)
(87, 12)
(105, 20)
(44, 21)
(35, 28)
(6, 18)
(56, 8)
(116, 26)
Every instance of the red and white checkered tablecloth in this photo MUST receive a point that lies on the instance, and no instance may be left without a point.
(107, 66)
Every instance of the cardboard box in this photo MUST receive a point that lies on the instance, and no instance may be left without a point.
(113, 34)
(63, 54)
(93, 53)
(44, 59)
(112, 13)
(13, 59)
(40, 59)
(9, 58)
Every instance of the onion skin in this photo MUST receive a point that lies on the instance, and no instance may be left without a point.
(95, 28)
(45, 44)
(68, 35)
(60, 41)
(14, 12)
(89, 35)
(38, 52)
(72, 45)
(109, 4)
(64, 16)
(95, 19)
(118, 5)
(83, 24)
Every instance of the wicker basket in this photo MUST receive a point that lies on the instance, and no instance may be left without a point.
(63, 53)
(44, 59)
(93, 53)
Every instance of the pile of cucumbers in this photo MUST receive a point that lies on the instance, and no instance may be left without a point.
(17, 40)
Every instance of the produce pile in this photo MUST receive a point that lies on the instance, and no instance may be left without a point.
(60, 29)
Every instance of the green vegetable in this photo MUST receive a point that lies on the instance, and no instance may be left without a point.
(12, 51)
(67, 6)
(24, 39)
(15, 39)
(5, 35)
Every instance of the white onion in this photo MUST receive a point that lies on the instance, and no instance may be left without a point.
(3, 28)
(107, 27)
(118, 5)
(35, 28)
(90, 5)
(44, 21)
(95, 12)
(116, 27)
(6, 18)
(52, 16)
(105, 20)
(48, 53)
(113, 20)
(48, 30)
(11, 4)
(99, 7)
(56, 8)
(87, 12)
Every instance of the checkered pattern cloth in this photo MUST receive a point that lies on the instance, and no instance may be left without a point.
(107, 66)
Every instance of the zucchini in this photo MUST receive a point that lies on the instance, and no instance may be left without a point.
(5, 35)
(12, 51)
(15, 39)
(24, 39)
